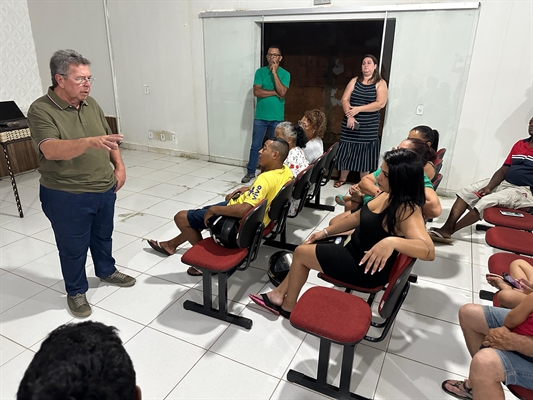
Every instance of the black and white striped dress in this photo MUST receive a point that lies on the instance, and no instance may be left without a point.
(359, 148)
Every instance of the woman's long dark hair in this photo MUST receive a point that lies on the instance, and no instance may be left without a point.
(406, 185)
(420, 147)
(429, 135)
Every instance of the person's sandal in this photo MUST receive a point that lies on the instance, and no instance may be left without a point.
(339, 183)
(457, 389)
(339, 200)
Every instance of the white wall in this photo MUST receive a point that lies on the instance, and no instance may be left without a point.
(19, 75)
(160, 43)
(77, 25)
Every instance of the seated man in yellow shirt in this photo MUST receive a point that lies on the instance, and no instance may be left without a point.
(266, 186)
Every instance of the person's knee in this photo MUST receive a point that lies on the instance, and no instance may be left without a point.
(469, 314)
(486, 365)
(181, 218)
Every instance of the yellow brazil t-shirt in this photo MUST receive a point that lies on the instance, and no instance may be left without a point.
(267, 185)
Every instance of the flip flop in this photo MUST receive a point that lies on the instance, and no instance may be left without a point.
(283, 313)
(438, 238)
(263, 301)
(339, 183)
(339, 200)
(457, 389)
(154, 244)
(191, 271)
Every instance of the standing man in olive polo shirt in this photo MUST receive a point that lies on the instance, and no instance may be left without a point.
(78, 185)
(270, 87)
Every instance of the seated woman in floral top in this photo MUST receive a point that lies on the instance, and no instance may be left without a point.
(296, 159)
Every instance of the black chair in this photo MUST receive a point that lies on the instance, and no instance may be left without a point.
(278, 211)
(211, 259)
(338, 317)
(438, 166)
(299, 192)
(319, 168)
(331, 159)
(436, 181)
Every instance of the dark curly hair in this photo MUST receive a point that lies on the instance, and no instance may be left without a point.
(80, 362)
(317, 119)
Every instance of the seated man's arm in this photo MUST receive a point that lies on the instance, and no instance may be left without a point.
(234, 210)
(432, 208)
(496, 179)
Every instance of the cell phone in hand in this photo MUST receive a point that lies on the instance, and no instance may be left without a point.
(235, 195)
(509, 279)
(512, 214)
(478, 194)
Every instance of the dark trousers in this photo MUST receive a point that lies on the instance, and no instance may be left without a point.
(81, 222)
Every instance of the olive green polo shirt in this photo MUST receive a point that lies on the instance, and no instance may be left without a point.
(51, 118)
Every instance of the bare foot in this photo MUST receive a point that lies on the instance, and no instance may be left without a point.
(168, 248)
(445, 234)
(498, 283)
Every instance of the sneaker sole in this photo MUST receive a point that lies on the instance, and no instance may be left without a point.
(80, 314)
(128, 284)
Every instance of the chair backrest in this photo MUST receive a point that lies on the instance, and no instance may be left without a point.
(397, 282)
(441, 152)
(280, 205)
(437, 165)
(331, 157)
(436, 181)
(250, 224)
(318, 168)
(302, 183)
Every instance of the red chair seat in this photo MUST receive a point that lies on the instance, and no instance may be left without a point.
(510, 239)
(269, 228)
(339, 283)
(495, 217)
(499, 263)
(520, 392)
(334, 315)
(210, 255)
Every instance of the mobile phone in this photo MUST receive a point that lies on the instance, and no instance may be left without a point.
(508, 278)
(478, 194)
(512, 213)
(235, 195)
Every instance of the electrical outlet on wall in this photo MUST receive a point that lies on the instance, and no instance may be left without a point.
(150, 134)
(174, 137)
(163, 138)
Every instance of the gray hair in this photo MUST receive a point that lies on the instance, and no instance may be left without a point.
(289, 131)
(62, 60)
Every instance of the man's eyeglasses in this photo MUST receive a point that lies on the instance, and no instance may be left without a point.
(272, 55)
(82, 80)
(302, 124)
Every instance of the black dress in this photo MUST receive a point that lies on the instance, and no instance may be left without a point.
(359, 149)
(342, 262)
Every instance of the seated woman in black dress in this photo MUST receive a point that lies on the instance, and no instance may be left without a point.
(389, 224)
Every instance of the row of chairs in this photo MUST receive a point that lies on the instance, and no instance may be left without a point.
(342, 318)
(213, 259)
(515, 235)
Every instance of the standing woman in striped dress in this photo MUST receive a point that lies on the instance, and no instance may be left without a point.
(363, 97)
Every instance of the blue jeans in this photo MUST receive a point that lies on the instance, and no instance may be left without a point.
(518, 367)
(260, 127)
(81, 222)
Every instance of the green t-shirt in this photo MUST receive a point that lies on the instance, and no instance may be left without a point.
(367, 198)
(49, 117)
(270, 108)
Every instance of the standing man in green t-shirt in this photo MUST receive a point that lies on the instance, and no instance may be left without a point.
(270, 87)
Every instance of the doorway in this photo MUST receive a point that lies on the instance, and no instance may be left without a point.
(322, 57)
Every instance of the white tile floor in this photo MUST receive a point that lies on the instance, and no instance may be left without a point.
(181, 354)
